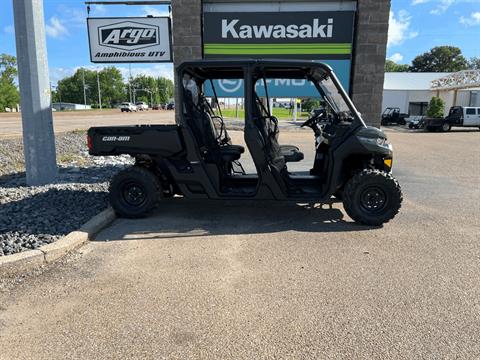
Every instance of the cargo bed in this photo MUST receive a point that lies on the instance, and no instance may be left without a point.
(159, 140)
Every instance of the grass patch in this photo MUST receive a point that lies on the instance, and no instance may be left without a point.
(69, 158)
(79, 132)
(280, 113)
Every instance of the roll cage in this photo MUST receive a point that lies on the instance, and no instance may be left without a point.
(253, 70)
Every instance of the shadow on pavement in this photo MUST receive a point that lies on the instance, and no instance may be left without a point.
(181, 218)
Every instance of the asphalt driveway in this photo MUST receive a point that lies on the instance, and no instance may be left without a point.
(248, 280)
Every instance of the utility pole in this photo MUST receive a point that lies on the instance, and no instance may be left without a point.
(99, 91)
(130, 81)
(84, 89)
(35, 95)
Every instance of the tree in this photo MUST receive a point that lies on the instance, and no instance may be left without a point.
(474, 63)
(440, 59)
(436, 108)
(9, 95)
(165, 89)
(310, 104)
(112, 88)
(161, 89)
(391, 66)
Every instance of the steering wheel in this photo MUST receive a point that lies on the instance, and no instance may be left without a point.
(310, 122)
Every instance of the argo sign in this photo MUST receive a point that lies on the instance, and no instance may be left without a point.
(115, 40)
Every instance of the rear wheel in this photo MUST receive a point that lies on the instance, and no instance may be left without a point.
(372, 197)
(134, 192)
(446, 127)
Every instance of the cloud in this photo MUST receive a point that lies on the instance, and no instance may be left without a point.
(9, 29)
(441, 6)
(399, 28)
(472, 20)
(159, 70)
(98, 10)
(396, 58)
(150, 10)
(55, 28)
(58, 73)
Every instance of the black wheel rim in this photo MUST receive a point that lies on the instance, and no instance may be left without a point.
(133, 193)
(373, 200)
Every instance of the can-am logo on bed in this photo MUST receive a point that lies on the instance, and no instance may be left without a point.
(128, 35)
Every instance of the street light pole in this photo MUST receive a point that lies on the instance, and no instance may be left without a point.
(35, 95)
(99, 91)
(84, 89)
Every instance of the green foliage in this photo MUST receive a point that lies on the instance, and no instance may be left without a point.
(147, 88)
(9, 95)
(70, 89)
(474, 63)
(391, 66)
(112, 87)
(440, 59)
(310, 104)
(436, 108)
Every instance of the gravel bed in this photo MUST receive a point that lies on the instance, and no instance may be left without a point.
(34, 216)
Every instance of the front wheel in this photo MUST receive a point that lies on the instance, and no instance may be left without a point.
(134, 192)
(372, 197)
(446, 127)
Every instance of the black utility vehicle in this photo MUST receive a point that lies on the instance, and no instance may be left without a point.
(197, 159)
(393, 116)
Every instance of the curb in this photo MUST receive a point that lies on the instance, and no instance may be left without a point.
(27, 260)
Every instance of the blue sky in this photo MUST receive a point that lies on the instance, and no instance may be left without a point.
(418, 25)
(415, 27)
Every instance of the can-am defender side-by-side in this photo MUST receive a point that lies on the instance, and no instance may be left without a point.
(196, 158)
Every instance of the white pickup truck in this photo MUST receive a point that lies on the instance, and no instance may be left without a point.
(128, 107)
(458, 116)
(142, 106)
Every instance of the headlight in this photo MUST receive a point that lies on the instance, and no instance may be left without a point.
(374, 141)
(381, 141)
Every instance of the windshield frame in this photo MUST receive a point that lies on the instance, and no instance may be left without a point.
(318, 75)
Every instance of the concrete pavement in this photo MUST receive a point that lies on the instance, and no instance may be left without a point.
(247, 280)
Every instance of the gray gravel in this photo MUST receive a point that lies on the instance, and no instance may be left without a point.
(34, 216)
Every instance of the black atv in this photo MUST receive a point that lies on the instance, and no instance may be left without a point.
(197, 159)
(393, 116)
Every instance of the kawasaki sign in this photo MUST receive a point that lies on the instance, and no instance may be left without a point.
(300, 35)
(325, 36)
(114, 40)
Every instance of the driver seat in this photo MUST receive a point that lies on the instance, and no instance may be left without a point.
(290, 153)
(269, 128)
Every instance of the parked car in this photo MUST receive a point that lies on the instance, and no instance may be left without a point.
(171, 106)
(157, 107)
(128, 107)
(416, 122)
(458, 116)
(142, 106)
(393, 116)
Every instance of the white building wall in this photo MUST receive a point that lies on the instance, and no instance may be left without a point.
(402, 98)
(395, 98)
